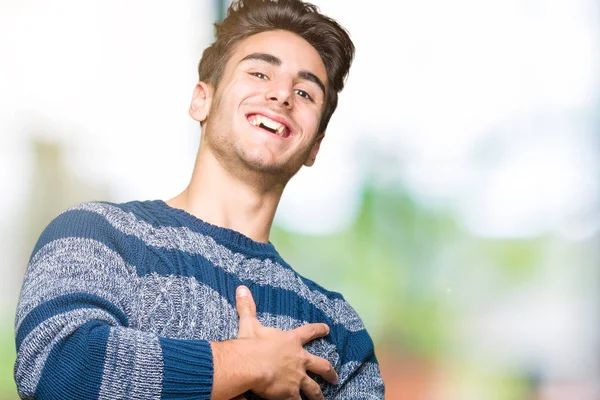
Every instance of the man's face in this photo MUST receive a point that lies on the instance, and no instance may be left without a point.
(266, 111)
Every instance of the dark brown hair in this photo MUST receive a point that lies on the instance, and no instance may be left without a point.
(249, 17)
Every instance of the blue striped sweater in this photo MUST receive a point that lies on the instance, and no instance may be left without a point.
(120, 301)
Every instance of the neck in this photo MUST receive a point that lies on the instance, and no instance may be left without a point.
(218, 197)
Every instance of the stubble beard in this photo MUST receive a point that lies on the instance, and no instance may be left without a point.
(251, 168)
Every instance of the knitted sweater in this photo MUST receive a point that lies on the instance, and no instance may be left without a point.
(120, 301)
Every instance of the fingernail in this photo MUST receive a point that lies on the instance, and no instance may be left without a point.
(327, 329)
(242, 291)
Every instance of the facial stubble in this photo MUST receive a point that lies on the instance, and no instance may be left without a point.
(235, 159)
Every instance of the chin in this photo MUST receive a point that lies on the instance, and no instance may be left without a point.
(261, 159)
(265, 164)
(270, 168)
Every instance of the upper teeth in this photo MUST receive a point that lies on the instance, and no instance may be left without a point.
(256, 120)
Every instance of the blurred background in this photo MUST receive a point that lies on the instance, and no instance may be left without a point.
(456, 198)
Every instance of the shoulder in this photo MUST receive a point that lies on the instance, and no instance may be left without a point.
(91, 221)
(351, 340)
(334, 305)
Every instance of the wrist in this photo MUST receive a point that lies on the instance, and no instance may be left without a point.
(235, 368)
(249, 354)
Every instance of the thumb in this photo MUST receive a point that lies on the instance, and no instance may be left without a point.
(246, 309)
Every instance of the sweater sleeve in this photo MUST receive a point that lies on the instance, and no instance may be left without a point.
(359, 380)
(357, 366)
(73, 333)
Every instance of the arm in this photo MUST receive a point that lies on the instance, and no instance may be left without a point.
(275, 359)
(360, 381)
(74, 338)
(359, 374)
(358, 369)
(73, 334)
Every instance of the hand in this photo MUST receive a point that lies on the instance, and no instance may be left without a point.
(279, 355)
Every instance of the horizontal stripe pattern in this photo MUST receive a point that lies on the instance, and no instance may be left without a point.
(262, 272)
(169, 306)
(181, 307)
(73, 265)
(133, 366)
(36, 346)
(359, 381)
(151, 282)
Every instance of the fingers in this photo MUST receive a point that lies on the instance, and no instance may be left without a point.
(244, 302)
(246, 309)
(322, 367)
(311, 389)
(309, 332)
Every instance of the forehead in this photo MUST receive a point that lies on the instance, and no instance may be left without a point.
(295, 53)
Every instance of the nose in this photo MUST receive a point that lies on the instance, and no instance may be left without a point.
(281, 91)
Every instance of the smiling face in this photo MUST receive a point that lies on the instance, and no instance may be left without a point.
(264, 116)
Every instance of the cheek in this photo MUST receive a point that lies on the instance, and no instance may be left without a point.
(311, 118)
(245, 85)
(244, 93)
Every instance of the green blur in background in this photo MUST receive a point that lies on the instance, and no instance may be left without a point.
(493, 108)
(417, 277)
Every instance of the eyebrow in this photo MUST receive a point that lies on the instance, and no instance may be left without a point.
(276, 61)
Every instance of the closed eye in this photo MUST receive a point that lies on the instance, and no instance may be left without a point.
(259, 75)
(302, 93)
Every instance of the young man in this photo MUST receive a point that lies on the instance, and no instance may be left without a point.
(152, 300)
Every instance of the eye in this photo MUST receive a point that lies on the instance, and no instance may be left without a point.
(259, 75)
(302, 93)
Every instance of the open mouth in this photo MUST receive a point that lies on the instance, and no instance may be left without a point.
(269, 125)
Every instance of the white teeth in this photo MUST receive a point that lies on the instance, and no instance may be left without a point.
(256, 120)
(270, 123)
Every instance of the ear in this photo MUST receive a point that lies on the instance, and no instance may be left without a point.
(201, 101)
(314, 150)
